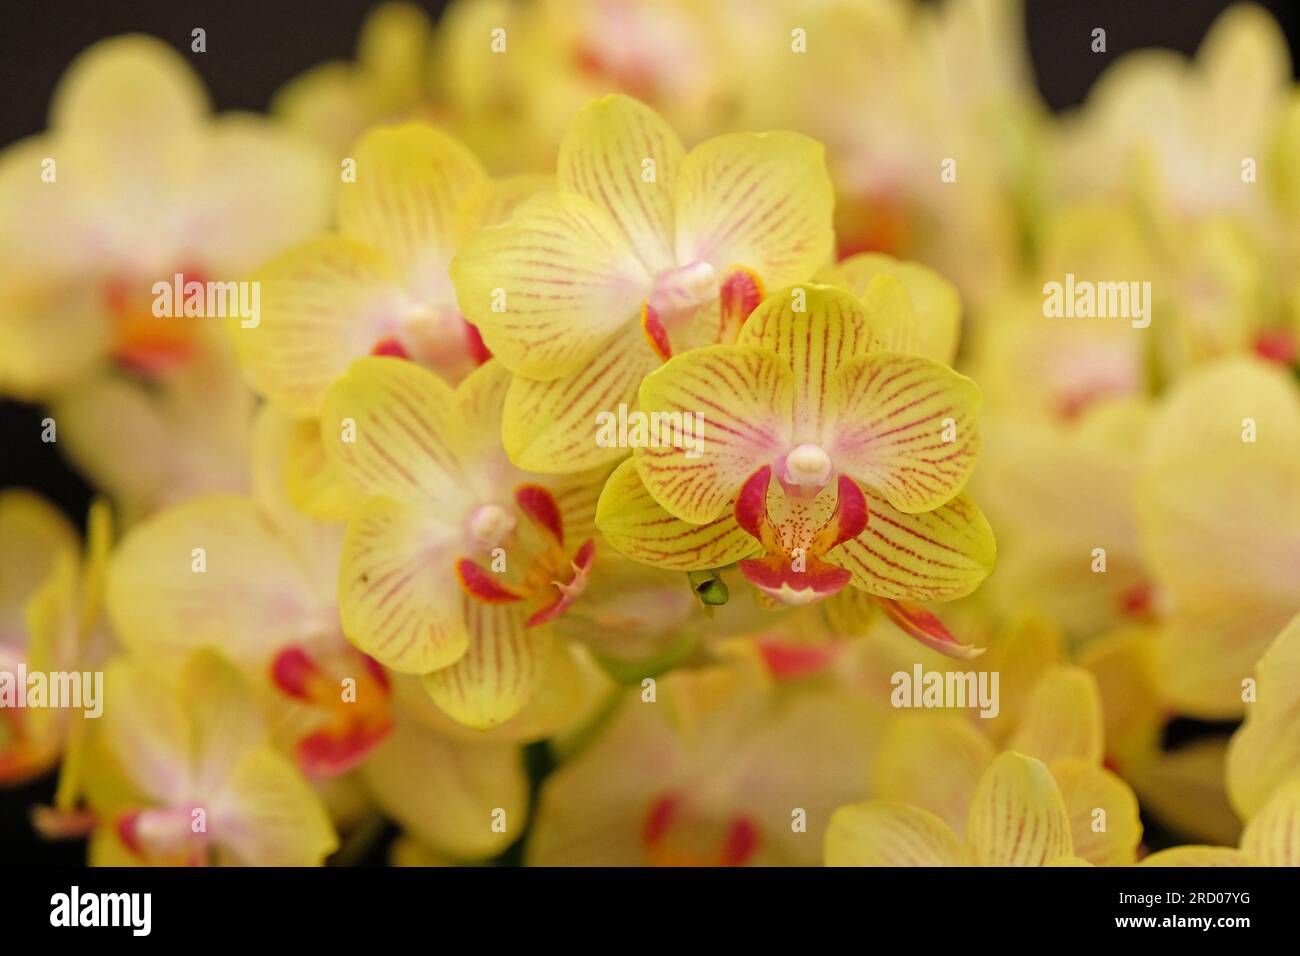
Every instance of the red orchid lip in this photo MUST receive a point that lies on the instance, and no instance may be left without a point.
(777, 572)
(542, 510)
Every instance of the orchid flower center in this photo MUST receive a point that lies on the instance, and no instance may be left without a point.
(682, 290)
(489, 525)
(807, 467)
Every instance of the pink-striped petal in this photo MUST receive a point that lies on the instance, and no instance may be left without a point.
(498, 673)
(622, 156)
(548, 287)
(761, 200)
(904, 425)
(725, 411)
(815, 329)
(938, 555)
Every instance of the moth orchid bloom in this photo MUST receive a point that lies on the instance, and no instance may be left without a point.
(1017, 818)
(133, 185)
(379, 286)
(256, 579)
(185, 775)
(708, 775)
(936, 762)
(456, 560)
(644, 252)
(826, 460)
(49, 622)
(1220, 526)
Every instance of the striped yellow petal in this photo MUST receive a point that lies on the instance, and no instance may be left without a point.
(554, 426)
(324, 303)
(743, 396)
(637, 526)
(760, 200)
(499, 672)
(888, 833)
(390, 427)
(398, 595)
(905, 425)
(937, 555)
(1104, 822)
(547, 287)
(411, 183)
(815, 329)
(1062, 718)
(622, 156)
(1272, 837)
(1017, 816)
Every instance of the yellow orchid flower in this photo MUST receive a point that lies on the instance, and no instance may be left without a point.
(1181, 787)
(50, 600)
(185, 774)
(1017, 818)
(823, 463)
(1049, 712)
(135, 186)
(132, 184)
(711, 767)
(378, 286)
(1220, 526)
(256, 580)
(645, 251)
(456, 561)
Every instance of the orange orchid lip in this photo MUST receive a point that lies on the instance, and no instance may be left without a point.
(352, 728)
(144, 342)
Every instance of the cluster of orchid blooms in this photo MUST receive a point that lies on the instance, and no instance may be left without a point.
(352, 557)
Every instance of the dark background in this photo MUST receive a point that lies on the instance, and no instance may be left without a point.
(255, 47)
